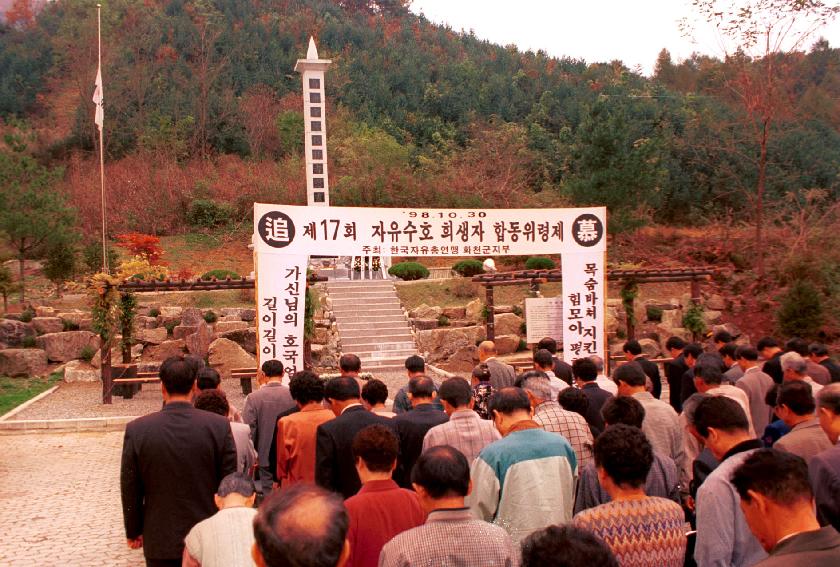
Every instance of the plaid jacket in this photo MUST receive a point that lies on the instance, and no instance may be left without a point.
(465, 431)
(552, 417)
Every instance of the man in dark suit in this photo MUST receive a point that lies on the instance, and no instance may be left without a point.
(335, 467)
(172, 463)
(501, 375)
(585, 374)
(771, 352)
(674, 370)
(562, 369)
(818, 353)
(412, 426)
(633, 352)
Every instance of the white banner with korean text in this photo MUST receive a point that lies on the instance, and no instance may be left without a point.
(285, 236)
(584, 300)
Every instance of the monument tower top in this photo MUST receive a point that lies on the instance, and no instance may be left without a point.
(317, 179)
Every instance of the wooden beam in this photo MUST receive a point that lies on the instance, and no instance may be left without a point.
(490, 325)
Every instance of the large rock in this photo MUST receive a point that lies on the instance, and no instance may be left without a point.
(499, 309)
(248, 314)
(191, 317)
(246, 338)
(716, 303)
(508, 324)
(712, 317)
(79, 318)
(225, 355)
(225, 326)
(650, 348)
(440, 344)
(462, 361)
(67, 346)
(45, 311)
(80, 371)
(320, 336)
(474, 309)
(23, 362)
(152, 336)
(506, 344)
(171, 311)
(183, 331)
(164, 350)
(44, 325)
(145, 322)
(424, 324)
(424, 311)
(455, 312)
(12, 332)
(198, 343)
(232, 312)
(672, 318)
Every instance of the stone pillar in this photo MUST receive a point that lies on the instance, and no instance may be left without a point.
(314, 116)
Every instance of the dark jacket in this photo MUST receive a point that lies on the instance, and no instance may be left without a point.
(773, 368)
(833, 369)
(816, 548)
(674, 370)
(824, 470)
(172, 463)
(652, 372)
(335, 467)
(597, 397)
(687, 387)
(411, 429)
(563, 370)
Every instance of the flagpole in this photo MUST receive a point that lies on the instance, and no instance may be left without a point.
(102, 150)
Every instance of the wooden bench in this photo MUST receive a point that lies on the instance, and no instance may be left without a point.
(127, 387)
(245, 376)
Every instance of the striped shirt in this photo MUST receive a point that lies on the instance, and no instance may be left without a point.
(552, 417)
(465, 431)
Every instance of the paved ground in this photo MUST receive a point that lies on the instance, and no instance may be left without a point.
(60, 501)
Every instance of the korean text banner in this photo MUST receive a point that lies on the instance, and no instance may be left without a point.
(349, 231)
(281, 296)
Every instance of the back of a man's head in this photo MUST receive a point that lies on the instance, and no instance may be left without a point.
(208, 379)
(456, 392)
(566, 546)
(272, 368)
(377, 446)
(486, 349)
(818, 349)
(543, 359)
(631, 374)
(632, 347)
(178, 375)
(797, 345)
(236, 483)
(722, 337)
(598, 362)
(443, 472)
(535, 383)
(694, 350)
(301, 526)
(794, 362)
(623, 410)
(548, 344)
(349, 363)
(766, 342)
(728, 350)
(573, 399)
(797, 397)
(415, 364)
(375, 392)
(306, 387)
(342, 388)
(509, 401)
(746, 352)
(779, 476)
(213, 401)
(829, 398)
(674, 343)
(421, 387)
(710, 374)
(585, 370)
(720, 413)
(625, 454)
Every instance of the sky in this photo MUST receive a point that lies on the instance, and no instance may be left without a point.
(634, 31)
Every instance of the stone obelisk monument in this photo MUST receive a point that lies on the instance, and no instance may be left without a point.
(314, 105)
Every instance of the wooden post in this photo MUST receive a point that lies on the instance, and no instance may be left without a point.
(629, 314)
(491, 310)
(695, 290)
(105, 370)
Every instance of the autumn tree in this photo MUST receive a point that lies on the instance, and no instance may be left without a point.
(760, 38)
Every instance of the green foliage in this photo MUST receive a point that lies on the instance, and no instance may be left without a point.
(539, 263)
(87, 354)
(443, 321)
(517, 310)
(105, 303)
(163, 135)
(654, 313)
(25, 59)
(469, 268)
(220, 275)
(68, 325)
(523, 346)
(15, 391)
(27, 314)
(154, 312)
(128, 311)
(311, 305)
(801, 312)
(628, 294)
(210, 317)
(169, 326)
(7, 285)
(28, 342)
(92, 257)
(693, 319)
(290, 130)
(485, 313)
(409, 271)
(207, 213)
(60, 262)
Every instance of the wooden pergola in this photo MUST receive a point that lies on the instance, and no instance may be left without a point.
(629, 279)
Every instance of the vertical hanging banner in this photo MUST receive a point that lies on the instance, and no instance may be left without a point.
(285, 236)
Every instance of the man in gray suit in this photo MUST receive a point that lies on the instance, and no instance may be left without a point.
(501, 375)
(261, 412)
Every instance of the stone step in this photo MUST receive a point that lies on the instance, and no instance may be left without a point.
(380, 298)
(341, 287)
(393, 336)
(396, 354)
(372, 317)
(378, 303)
(362, 295)
(388, 367)
(351, 330)
(345, 312)
(373, 344)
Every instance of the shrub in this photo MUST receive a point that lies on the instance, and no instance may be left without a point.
(144, 245)
(654, 313)
(170, 325)
(801, 313)
(409, 271)
(210, 317)
(139, 268)
(539, 263)
(523, 345)
(27, 315)
(207, 213)
(693, 319)
(69, 325)
(92, 257)
(28, 342)
(87, 353)
(517, 310)
(469, 268)
(463, 288)
(443, 321)
(154, 312)
(220, 275)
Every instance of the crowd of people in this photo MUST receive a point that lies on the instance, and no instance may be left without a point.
(560, 465)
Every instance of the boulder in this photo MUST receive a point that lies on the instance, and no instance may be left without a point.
(12, 332)
(503, 309)
(321, 322)
(145, 322)
(232, 312)
(680, 332)
(225, 326)
(672, 318)
(440, 344)
(191, 317)
(225, 355)
(152, 336)
(424, 324)
(455, 312)
(426, 312)
(183, 331)
(320, 336)
(23, 362)
(246, 338)
(198, 343)
(506, 344)
(462, 361)
(473, 310)
(650, 348)
(711, 317)
(75, 317)
(67, 346)
(248, 314)
(44, 325)
(231, 318)
(508, 324)
(45, 311)
(171, 311)
(716, 303)
(164, 350)
(80, 371)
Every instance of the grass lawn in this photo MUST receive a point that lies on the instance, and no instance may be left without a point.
(458, 292)
(15, 391)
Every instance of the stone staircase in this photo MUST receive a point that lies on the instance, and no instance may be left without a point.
(372, 324)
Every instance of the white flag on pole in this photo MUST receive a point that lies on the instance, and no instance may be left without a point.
(99, 118)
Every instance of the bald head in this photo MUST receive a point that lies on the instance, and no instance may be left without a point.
(486, 349)
(301, 523)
